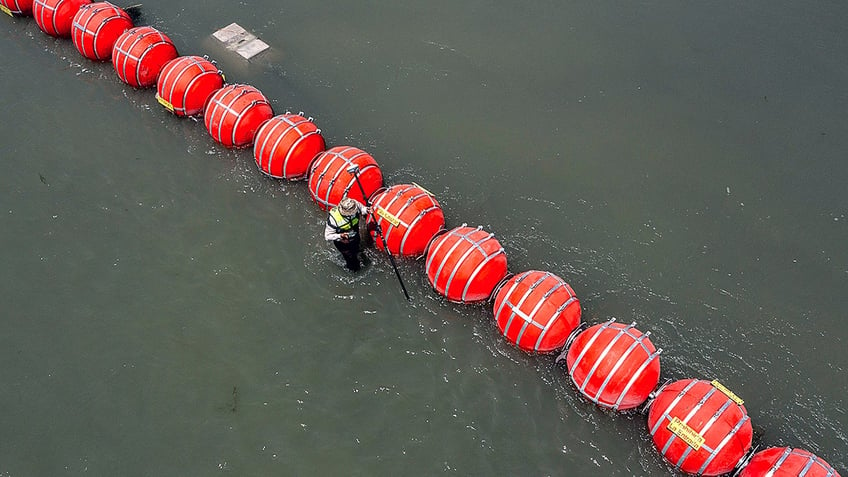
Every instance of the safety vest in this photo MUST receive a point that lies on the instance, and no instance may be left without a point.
(341, 223)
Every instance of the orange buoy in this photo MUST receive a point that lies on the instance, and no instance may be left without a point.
(536, 311)
(614, 365)
(96, 28)
(139, 55)
(234, 113)
(186, 83)
(465, 264)
(330, 179)
(787, 462)
(54, 17)
(409, 218)
(700, 427)
(286, 144)
(16, 7)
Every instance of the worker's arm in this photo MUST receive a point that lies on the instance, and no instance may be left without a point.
(331, 234)
(363, 210)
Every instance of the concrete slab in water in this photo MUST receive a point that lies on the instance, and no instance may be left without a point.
(237, 39)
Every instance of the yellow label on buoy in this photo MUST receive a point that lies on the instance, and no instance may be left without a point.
(164, 102)
(6, 10)
(733, 397)
(388, 216)
(686, 433)
(425, 190)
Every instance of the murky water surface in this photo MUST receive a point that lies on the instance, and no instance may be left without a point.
(166, 310)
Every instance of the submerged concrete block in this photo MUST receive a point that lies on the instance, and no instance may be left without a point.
(237, 39)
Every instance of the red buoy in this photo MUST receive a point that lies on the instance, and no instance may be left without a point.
(139, 55)
(16, 7)
(54, 17)
(614, 365)
(536, 311)
(409, 218)
(285, 145)
(331, 179)
(234, 113)
(465, 264)
(787, 462)
(186, 83)
(96, 28)
(700, 427)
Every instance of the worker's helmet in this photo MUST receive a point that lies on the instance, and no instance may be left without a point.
(348, 207)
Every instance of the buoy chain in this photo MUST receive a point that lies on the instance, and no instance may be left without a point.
(475, 245)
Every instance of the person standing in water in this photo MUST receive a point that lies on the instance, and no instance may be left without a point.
(343, 230)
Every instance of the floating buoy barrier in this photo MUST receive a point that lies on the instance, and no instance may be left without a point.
(331, 178)
(787, 462)
(409, 218)
(234, 114)
(536, 311)
(614, 365)
(186, 83)
(139, 55)
(96, 27)
(465, 264)
(16, 7)
(285, 145)
(54, 17)
(700, 427)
